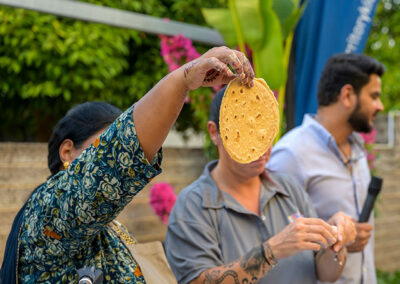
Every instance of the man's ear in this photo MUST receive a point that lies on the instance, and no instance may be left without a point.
(347, 96)
(213, 131)
(66, 151)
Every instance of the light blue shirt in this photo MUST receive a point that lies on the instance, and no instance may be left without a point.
(310, 154)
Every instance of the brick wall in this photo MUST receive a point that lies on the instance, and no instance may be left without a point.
(23, 166)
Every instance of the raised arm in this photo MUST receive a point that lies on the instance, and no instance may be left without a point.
(157, 111)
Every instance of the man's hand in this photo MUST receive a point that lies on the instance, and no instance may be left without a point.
(346, 230)
(211, 69)
(363, 235)
(302, 234)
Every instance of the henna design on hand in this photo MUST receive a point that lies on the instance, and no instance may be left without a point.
(188, 68)
(211, 75)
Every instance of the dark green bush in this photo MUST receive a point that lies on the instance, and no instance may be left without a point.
(387, 277)
(48, 64)
(384, 45)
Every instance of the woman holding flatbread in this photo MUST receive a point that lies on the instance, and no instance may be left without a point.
(64, 224)
(238, 223)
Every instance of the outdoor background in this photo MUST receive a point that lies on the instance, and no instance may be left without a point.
(48, 64)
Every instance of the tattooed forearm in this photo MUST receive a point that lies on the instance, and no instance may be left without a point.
(213, 277)
(249, 269)
(253, 263)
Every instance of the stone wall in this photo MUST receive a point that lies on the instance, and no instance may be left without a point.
(23, 166)
(387, 223)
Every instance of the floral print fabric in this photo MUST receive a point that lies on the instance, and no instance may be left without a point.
(65, 221)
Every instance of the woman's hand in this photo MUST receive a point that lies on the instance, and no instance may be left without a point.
(346, 230)
(211, 69)
(302, 234)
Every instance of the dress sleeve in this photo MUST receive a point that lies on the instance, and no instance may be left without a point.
(72, 207)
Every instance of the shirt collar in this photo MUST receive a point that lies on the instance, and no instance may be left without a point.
(215, 198)
(327, 139)
(324, 135)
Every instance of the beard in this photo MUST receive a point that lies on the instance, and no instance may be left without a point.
(359, 121)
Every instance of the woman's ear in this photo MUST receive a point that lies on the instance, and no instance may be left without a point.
(66, 151)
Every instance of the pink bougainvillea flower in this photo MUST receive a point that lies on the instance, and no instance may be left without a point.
(177, 50)
(162, 199)
(369, 140)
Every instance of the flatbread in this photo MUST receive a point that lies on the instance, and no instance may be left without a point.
(248, 120)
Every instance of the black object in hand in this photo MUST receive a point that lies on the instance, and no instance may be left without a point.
(90, 275)
(374, 188)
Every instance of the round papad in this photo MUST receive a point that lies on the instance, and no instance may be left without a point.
(248, 120)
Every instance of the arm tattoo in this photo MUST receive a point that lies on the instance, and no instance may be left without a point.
(214, 277)
(253, 280)
(188, 68)
(253, 262)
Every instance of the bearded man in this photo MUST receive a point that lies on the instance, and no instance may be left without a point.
(327, 157)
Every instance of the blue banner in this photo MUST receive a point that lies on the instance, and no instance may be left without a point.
(326, 28)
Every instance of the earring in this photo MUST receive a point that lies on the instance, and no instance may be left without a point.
(66, 165)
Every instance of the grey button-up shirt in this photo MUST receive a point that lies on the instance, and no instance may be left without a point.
(209, 228)
(310, 154)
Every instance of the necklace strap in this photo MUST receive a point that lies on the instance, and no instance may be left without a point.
(349, 160)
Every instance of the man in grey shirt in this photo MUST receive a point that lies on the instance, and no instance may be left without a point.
(238, 223)
(327, 156)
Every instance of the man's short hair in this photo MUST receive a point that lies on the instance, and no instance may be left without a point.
(342, 69)
(216, 105)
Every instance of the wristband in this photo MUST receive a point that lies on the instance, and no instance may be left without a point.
(268, 255)
(263, 254)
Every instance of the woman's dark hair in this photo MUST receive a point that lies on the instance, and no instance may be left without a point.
(81, 122)
(342, 69)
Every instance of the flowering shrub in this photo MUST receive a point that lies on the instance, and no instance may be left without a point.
(162, 199)
(369, 139)
(177, 50)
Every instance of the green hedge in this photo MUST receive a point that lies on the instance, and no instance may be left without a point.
(388, 277)
(384, 45)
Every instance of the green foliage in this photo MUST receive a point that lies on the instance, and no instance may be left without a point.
(267, 27)
(384, 45)
(387, 277)
(264, 26)
(48, 64)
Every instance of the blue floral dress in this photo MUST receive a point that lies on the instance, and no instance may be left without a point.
(65, 221)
